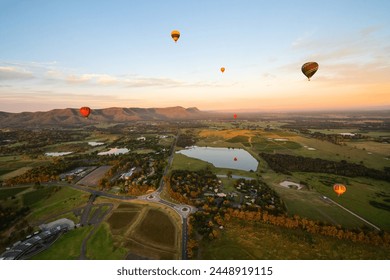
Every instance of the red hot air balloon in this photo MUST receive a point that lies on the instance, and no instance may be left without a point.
(339, 189)
(85, 111)
(235, 116)
(309, 69)
(235, 159)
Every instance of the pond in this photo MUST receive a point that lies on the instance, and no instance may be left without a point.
(114, 151)
(93, 143)
(223, 157)
(59, 154)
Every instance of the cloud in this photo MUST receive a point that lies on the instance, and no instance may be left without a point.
(14, 73)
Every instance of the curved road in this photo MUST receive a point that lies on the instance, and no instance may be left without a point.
(181, 209)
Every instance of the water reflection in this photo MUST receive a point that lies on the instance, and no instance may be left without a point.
(223, 157)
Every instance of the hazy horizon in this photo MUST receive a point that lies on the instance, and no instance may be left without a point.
(120, 54)
(242, 111)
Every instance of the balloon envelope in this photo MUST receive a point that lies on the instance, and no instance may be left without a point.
(235, 116)
(223, 69)
(175, 35)
(309, 69)
(339, 189)
(235, 159)
(85, 111)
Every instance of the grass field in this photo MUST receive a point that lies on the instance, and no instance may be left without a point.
(360, 192)
(63, 200)
(101, 246)
(67, 247)
(6, 193)
(259, 241)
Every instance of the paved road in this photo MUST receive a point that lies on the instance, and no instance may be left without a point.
(181, 209)
(97, 222)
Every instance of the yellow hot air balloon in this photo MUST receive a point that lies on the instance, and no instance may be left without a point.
(339, 189)
(222, 69)
(175, 35)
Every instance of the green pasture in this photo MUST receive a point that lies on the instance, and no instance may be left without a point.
(7, 193)
(45, 203)
(12, 166)
(382, 149)
(261, 144)
(369, 198)
(181, 161)
(101, 245)
(333, 152)
(217, 142)
(67, 247)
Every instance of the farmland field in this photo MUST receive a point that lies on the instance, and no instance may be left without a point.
(145, 231)
(120, 220)
(162, 232)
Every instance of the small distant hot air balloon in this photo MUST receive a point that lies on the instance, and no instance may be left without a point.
(339, 189)
(235, 159)
(175, 35)
(235, 116)
(309, 69)
(85, 111)
(222, 69)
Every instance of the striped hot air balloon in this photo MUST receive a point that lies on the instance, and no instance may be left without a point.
(175, 35)
(309, 69)
(339, 189)
(85, 111)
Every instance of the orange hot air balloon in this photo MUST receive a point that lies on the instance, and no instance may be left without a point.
(339, 189)
(175, 35)
(235, 159)
(309, 69)
(235, 116)
(222, 69)
(85, 111)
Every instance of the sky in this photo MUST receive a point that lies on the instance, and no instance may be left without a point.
(69, 54)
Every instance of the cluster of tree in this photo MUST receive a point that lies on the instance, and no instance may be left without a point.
(8, 215)
(314, 227)
(149, 169)
(284, 163)
(44, 173)
(32, 141)
(185, 140)
(20, 229)
(262, 195)
(185, 185)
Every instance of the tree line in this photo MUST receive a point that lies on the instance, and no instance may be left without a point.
(283, 163)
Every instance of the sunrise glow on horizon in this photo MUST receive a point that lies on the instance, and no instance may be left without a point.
(68, 54)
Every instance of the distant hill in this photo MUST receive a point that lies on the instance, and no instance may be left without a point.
(71, 116)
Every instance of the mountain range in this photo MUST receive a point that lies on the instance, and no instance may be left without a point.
(71, 116)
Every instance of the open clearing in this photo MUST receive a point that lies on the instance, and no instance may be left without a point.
(92, 179)
(146, 231)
